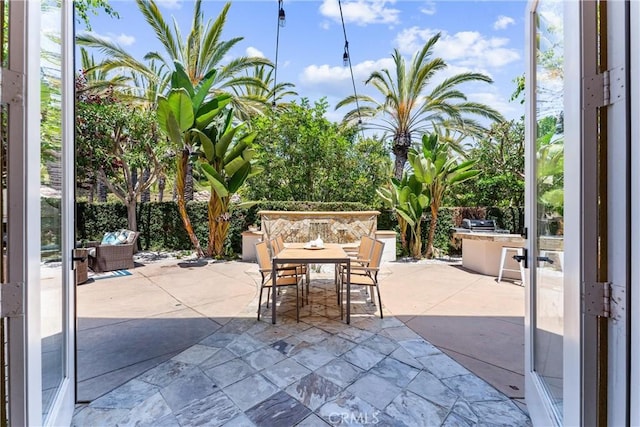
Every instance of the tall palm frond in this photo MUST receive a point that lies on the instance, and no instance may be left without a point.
(201, 51)
(409, 106)
(97, 80)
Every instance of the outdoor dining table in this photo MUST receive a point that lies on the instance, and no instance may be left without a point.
(301, 253)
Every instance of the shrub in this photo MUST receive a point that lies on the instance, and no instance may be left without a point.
(160, 226)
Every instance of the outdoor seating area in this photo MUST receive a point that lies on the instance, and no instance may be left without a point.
(167, 350)
(115, 252)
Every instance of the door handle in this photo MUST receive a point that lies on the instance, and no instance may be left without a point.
(545, 259)
(522, 258)
(75, 258)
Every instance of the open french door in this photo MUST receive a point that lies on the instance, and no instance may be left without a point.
(577, 210)
(38, 284)
(548, 323)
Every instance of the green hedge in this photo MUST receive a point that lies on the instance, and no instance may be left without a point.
(161, 228)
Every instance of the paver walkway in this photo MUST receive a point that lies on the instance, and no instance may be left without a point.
(316, 372)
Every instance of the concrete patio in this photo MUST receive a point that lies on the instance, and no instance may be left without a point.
(177, 343)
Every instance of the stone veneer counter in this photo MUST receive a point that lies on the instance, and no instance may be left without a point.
(331, 226)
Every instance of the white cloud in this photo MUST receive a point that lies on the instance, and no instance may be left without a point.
(503, 22)
(335, 81)
(361, 12)
(511, 110)
(465, 48)
(125, 39)
(121, 39)
(429, 8)
(315, 75)
(170, 4)
(252, 51)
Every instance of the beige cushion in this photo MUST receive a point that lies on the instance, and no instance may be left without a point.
(131, 237)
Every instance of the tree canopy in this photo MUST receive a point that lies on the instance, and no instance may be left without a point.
(307, 157)
(500, 159)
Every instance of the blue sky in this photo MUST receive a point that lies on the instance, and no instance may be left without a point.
(480, 36)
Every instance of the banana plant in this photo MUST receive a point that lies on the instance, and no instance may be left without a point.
(438, 169)
(183, 115)
(408, 199)
(550, 173)
(225, 159)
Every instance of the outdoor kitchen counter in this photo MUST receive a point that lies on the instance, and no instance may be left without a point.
(481, 252)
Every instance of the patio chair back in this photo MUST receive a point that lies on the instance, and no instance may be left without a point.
(262, 254)
(376, 254)
(365, 249)
(277, 244)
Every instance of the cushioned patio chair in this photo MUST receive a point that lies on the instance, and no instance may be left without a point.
(109, 257)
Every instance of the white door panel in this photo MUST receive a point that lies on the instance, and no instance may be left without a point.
(38, 210)
(552, 316)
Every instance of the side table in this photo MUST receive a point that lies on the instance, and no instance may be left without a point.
(81, 264)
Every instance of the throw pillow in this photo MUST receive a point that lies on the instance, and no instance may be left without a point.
(109, 238)
(122, 236)
(131, 237)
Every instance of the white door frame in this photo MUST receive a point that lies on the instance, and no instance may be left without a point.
(574, 219)
(62, 408)
(597, 243)
(618, 212)
(537, 398)
(24, 224)
(634, 401)
(23, 218)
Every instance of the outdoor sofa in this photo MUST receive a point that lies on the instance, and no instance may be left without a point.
(113, 255)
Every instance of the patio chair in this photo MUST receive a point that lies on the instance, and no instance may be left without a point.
(109, 257)
(364, 275)
(284, 277)
(361, 258)
(277, 245)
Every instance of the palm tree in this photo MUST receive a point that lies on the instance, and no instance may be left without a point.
(407, 109)
(262, 94)
(201, 51)
(437, 170)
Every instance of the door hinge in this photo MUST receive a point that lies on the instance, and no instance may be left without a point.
(12, 299)
(597, 299)
(606, 88)
(12, 87)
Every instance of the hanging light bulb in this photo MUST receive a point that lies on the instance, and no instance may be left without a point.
(282, 19)
(345, 55)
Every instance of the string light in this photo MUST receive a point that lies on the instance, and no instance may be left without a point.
(345, 55)
(346, 59)
(281, 23)
(282, 19)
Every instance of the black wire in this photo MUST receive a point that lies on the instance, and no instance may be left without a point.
(275, 68)
(353, 82)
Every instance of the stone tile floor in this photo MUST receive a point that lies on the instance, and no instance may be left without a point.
(317, 372)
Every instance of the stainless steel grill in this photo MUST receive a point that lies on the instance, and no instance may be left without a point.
(479, 226)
